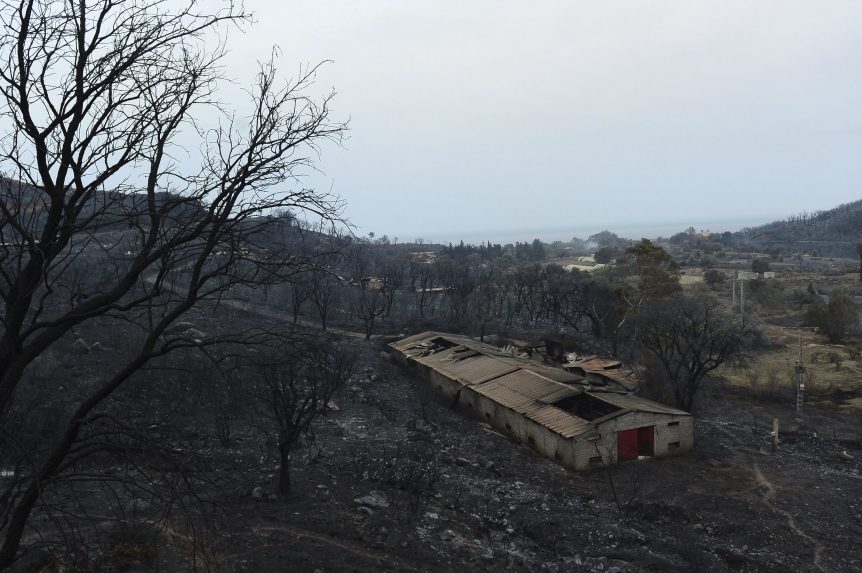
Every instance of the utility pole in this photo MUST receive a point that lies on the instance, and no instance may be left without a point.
(742, 300)
(800, 385)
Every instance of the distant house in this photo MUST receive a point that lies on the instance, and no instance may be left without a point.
(751, 275)
(553, 411)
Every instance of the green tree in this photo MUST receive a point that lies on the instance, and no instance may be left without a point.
(836, 319)
(606, 254)
(714, 278)
(658, 273)
(537, 251)
(760, 265)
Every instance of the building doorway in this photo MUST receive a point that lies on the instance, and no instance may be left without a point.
(636, 442)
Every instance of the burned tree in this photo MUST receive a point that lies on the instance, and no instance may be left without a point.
(687, 339)
(95, 97)
(296, 390)
(368, 305)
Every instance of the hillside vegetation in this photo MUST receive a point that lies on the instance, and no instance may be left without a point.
(839, 229)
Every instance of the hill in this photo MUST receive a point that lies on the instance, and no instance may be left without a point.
(835, 231)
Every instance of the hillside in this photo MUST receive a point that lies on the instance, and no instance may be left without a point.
(835, 231)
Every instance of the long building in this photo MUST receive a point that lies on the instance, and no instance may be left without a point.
(555, 412)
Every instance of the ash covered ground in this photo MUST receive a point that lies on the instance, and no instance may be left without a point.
(394, 479)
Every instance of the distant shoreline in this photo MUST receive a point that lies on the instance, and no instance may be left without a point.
(583, 231)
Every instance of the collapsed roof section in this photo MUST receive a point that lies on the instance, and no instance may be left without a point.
(603, 370)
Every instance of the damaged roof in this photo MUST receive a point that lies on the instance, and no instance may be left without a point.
(605, 367)
(525, 386)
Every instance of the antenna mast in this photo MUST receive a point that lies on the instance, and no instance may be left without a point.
(800, 385)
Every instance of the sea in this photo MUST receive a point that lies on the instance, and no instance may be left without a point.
(635, 231)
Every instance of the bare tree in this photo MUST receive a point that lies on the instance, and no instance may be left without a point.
(323, 284)
(689, 338)
(298, 288)
(96, 97)
(297, 389)
(391, 278)
(368, 304)
(427, 276)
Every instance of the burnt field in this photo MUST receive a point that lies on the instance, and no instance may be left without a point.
(391, 478)
(396, 480)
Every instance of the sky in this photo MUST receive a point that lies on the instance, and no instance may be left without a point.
(494, 119)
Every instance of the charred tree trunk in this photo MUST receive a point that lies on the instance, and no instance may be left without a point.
(284, 470)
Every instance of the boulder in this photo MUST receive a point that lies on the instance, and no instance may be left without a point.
(374, 500)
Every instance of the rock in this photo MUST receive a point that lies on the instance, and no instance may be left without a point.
(332, 406)
(257, 493)
(180, 327)
(313, 453)
(195, 334)
(463, 462)
(96, 346)
(367, 511)
(698, 527)
(843, 455)
(447, 535)
(81, 346)
(374, 499)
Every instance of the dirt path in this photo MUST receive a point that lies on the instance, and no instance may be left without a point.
(791, 521)
(269, 312)
(378, 558)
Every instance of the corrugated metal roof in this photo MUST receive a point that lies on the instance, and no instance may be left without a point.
(527, 387)
(553, 418)
(637, 404)
(477, 369)
(596, 363)
(505, 396)
(410, 340)
(606, 368)
(560, 421)
(549, 372)
(536, 387)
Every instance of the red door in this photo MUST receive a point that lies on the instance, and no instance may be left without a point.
(635, 442)
(645, 441)
(627, 445)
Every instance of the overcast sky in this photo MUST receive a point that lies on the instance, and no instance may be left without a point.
(487, 116)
